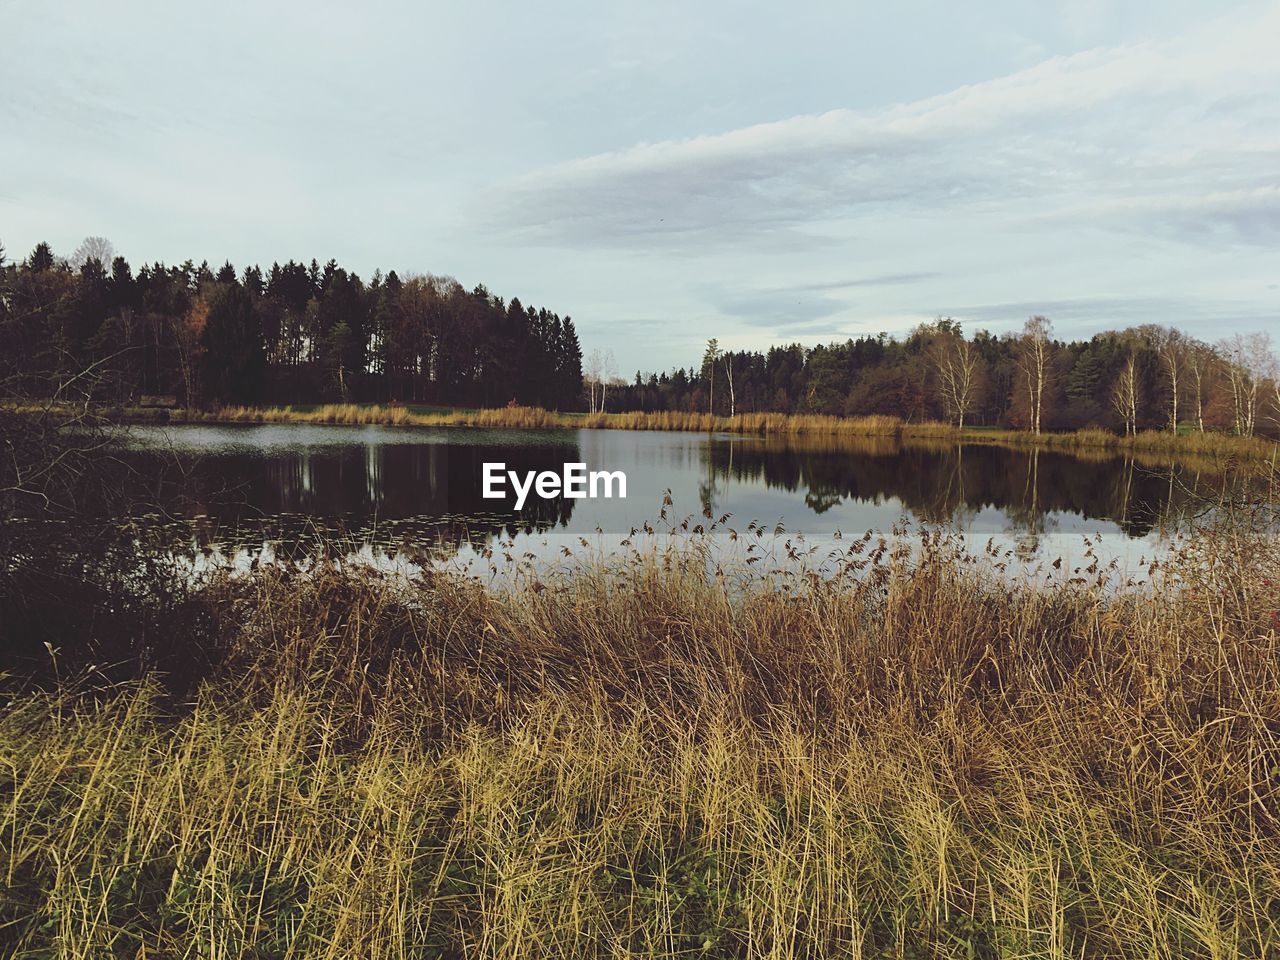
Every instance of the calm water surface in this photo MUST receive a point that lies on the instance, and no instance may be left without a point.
(245, 491)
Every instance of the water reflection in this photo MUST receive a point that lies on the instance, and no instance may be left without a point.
(202, 497)
(361, 484)
(386, 485)
(952, 484)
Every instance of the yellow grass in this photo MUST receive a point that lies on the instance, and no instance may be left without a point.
(919, 760)
(1210, 444)
(537, 418)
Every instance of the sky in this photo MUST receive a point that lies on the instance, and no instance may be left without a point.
(668, 172)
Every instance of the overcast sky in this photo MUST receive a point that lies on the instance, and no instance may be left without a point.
(666, 172)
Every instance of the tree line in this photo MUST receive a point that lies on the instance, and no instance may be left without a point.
(293, 333)
(305, 333)
(1146, 377)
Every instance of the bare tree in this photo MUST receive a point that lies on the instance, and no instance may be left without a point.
(1270, 369)
(608, 375)
(1172, 349)
(728, 373)
(1033, 355)
(957, 365)
(93, 248)
(48, 440)
(1124, 395)
(593, 376)
(1246, 357)
(1202, 360)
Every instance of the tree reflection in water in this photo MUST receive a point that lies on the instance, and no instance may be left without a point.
(950, 483)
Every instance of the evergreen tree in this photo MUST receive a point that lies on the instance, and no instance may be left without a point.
(568, 366)
(233, 366)
(41, 258)
(342, 319)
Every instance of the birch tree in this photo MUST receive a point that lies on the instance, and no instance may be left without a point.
(1270, 370)
(1124, 395)
(957, 365)
(1201, 361)
(608, 374)
(593, 375)
(1171, 348)
(1246, 356)
(728, 374)
(1033, 357)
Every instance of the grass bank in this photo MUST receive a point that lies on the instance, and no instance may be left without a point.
(1210, 444)
(918, 759)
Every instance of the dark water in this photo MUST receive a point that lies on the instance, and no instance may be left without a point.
(235, 490)
(115, 582)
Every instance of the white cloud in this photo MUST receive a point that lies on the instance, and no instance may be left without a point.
(1248, 216)
(1135, 129)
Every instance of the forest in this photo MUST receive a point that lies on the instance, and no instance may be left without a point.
(293, 333)
(302, 333)
(1148, 377)
(917, 747)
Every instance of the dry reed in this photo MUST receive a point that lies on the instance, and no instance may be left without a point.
(915, 759)
(1151, 442)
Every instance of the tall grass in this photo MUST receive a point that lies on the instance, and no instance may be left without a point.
(916, 759)
(1152, 442)
(536, 418)
(1209, 444)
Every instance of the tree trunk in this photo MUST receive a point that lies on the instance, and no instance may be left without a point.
(733, 403)
(1199, 401)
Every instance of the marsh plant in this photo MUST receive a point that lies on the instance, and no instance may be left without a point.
(1156, 442)
(915, 758)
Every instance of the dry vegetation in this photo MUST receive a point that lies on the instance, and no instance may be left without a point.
(1210, 444)
(914, 758)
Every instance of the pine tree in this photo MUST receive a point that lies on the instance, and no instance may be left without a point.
(569, 366)
(233, 366)
(41, 259)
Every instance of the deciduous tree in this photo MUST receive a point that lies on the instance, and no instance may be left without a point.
(957, 366)
(1034, 350)
(1124, 395)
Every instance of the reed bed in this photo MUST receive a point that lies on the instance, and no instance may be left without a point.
(1210, 444)
(1152, 442)
(536, 418)
(916, 759)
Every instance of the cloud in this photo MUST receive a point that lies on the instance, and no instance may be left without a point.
(814, 331)
(1248, 216)
(1140, 124)
(780, 309)
(1081, 315)
(884, 280)
(802, 309)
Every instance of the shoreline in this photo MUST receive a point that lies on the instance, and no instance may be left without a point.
(1151, 442)
(643, 755)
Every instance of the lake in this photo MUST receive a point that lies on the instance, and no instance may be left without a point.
(240, 492)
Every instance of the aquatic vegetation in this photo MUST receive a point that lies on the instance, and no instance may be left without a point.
(1153, 442)
(920, 758)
